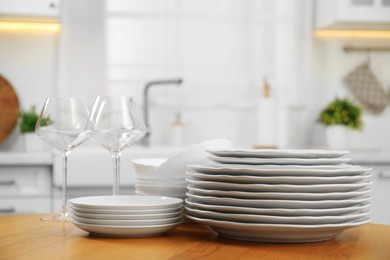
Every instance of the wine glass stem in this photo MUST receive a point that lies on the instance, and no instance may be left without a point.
(64, 193)
(116, 157)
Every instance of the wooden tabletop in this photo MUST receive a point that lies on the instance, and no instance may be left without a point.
(27, 237)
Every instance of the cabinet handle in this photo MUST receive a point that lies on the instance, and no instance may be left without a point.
(384, 175)
(8, 183)
(7, 210)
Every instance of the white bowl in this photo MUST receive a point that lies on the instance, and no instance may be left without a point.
(156, 193)
(145, 167)
(162, 181)
(165, 190)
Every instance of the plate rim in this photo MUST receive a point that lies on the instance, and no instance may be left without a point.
(78, 202)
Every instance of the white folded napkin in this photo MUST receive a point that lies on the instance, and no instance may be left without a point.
(176, 165)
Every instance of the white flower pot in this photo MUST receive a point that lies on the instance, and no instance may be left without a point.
(33, 143)
(337, 137)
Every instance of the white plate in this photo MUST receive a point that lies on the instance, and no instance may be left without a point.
(279, 187)
(276, 161)
(125, 231)
(125, 202)
(127, 216)
(279, 153)
(279, 211)
(277, 233)
(287, 204)
(133, 222)
(277, 179)
(274, 219)
(272, 170)
(280, 195)
(126, 212)
(284, 167)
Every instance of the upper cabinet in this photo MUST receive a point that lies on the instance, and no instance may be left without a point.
(353, 14)
(30, 10)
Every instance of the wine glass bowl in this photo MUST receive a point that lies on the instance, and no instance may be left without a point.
(116, 123)
(116, 140)
(62, 124)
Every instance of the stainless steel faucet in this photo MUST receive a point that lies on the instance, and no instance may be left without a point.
(176, 82)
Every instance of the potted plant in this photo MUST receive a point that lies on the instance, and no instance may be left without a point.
(341, 116)
(27, 121)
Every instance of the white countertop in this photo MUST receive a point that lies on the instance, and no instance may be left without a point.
(26, 158)
(370, 156)
(47, 158)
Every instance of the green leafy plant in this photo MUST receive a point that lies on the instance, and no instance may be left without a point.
(342, 112)
(28, 119)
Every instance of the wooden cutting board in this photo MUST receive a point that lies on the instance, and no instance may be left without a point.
(9, 109)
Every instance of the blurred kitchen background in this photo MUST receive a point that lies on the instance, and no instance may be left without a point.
(224, 51)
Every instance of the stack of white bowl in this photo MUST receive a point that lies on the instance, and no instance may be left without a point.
(166, 177)
(126, 216)
(285, 196)
(149, 183)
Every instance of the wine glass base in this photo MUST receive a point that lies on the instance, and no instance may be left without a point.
(60, 217)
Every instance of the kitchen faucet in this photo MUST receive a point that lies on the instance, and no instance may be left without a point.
(177, 82)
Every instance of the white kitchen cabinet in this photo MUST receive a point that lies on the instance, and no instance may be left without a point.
(25, 183)
(352, 14)
(381, 194)
(27, 205)
(28, 10)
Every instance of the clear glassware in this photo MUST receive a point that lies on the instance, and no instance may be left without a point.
(62, 124)
(116, 123)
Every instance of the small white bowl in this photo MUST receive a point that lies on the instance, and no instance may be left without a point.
(162, 180)
(145, 167)
(166, 190)
(179, 196)
(159, 184)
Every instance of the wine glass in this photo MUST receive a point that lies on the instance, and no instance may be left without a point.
(116, 123)
(62, 123)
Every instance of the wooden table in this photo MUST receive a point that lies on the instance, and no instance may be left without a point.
(26, 237)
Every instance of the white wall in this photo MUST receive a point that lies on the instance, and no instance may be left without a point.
(28, 61)
(70, 62)
(222, 49)
(330, 65)
(82, 67)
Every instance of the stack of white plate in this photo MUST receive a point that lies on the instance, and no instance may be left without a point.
(284, 196)
(126, 216)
